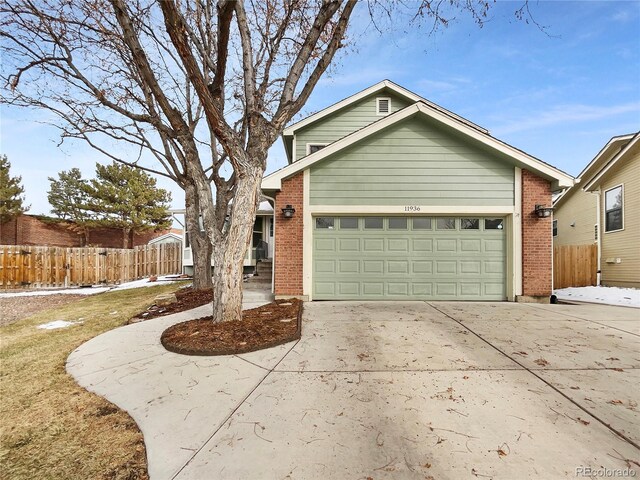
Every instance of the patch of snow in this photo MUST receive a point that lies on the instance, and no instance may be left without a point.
(94, 289)
(57, 324)
(628, 297)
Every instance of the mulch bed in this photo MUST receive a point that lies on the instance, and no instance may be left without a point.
(188, 298)
(263, 327)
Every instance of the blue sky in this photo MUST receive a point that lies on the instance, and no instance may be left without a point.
(559, 95)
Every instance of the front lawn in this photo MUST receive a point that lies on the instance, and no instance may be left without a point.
(49, 426)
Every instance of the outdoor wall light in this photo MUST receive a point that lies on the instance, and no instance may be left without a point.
(288, 211)
(543, 212)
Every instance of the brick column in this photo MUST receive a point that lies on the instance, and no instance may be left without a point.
(288, 238)
(537, 253)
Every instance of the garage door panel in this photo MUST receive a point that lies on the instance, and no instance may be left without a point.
(446, 245)
(467, 245)
(373, 245)
(446, 289)
(397, 266)
(419, 289)
(325, 266)
(421, 266)
(491, 245)
(471, 290)
(349, 288)
(398, 245)
(398, 288)
(373, 266)
(349, 244)
(373, 288)
(422, 244)
(348, 266)
(423, 263)
(470, 266)
(324, 244)
(446, 266)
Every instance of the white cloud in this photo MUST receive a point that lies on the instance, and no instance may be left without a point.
(563, 114)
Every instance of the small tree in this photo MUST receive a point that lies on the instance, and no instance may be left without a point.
(69, 197)
(11, 192)
(127, 198)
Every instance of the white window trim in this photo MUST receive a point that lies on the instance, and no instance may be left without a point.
(604, 209)
(309, 145)
(378, 112)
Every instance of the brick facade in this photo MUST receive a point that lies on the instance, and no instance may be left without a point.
(289, 238)
(31, 230)
(537, 255)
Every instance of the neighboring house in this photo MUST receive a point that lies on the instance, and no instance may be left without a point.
(603, 208)
(397, 198)
(170, 237)
(261, 246)
(41, 230)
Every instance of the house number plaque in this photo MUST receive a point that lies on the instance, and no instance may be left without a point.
(412, 208)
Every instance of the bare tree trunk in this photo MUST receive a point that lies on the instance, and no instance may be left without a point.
(229, 253)
(201, 248)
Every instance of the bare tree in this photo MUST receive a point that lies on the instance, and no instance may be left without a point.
(199, 89)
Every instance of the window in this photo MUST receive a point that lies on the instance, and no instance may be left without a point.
(446, 223)
(324, 222)
(373, 223)
(493, 224)
(187, 243)
(313, 148)
(383, 106)
(613, 209)
(555, 228)
(470, 224)
(348, 223)
(397, 223)
(421, 223)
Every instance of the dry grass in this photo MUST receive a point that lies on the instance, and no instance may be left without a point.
(50, 428)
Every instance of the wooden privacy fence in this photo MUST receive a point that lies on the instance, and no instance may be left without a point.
(29, 266)
(575, 265)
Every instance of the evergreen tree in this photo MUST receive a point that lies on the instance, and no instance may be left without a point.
(11, 192)
(128, 198)
(69, 197)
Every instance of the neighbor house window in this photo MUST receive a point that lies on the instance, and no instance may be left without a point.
(383, 106)
(613, 209)
(314, 147)
(555, 228)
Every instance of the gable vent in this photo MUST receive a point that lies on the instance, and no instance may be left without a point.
(383, 106)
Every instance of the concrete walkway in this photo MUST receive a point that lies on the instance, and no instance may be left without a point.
(387, 390)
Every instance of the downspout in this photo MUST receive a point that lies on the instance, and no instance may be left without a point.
(599, 240)
(273, 269)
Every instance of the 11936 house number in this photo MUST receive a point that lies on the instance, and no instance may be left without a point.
(412, 208)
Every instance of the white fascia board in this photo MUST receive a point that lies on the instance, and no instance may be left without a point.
(273, 181)
(589, 186)
(603, 151)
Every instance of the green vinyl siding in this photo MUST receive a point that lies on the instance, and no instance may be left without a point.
(415, 162)
(345, 121)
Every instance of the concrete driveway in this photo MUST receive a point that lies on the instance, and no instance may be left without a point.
(388, 390)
